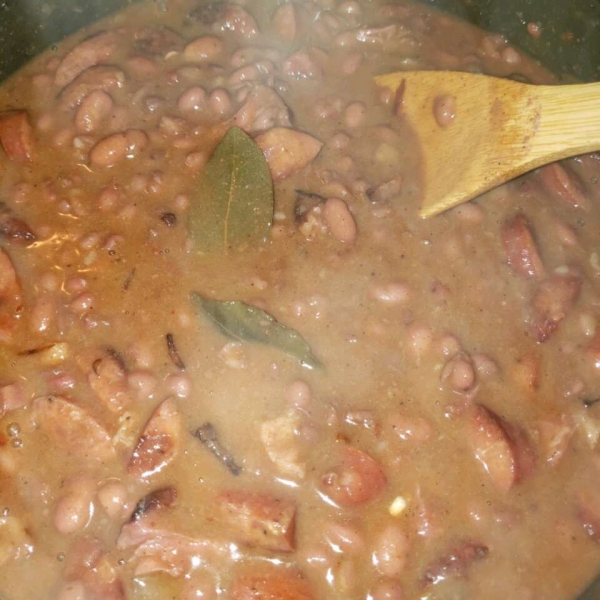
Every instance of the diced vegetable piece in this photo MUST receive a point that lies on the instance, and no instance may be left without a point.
(287, 150)
(259, 520)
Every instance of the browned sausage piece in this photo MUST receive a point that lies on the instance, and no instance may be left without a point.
(272, 584)
(455, 562)
(159, 443)
(259, 520)
(551, 303)
(16, 135)
(521, 249)
(503, 449)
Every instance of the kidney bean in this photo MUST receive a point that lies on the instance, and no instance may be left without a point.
(563, 184)
(409, 428)
(75, 509)
(284, 22)
(204, 49)
(355, 115)
(343, 538)
(112, 497)
(72, 590)
(118, 146)
(420, 338)
(444, 110)
(396, 292)
(351, 63)
(339, 141)
(219, 102)
(339, 220)
(459, 373)
(82, 303)
(521, 249)
(96, 49)
(388, 590)
(390, 551)
(179, 384)
(143, 382)
(486, 366)
(141, 67)
(192, 99)
(43, 314)
(298, 394)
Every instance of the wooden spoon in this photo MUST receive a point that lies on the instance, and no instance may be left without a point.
(477, 132)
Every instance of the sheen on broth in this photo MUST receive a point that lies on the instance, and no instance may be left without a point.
(236, 364)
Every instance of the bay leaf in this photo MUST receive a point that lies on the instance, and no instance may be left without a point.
(233, 202)
(242, 322)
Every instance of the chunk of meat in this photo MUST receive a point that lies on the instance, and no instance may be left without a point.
(154, 501)
(89, 563)
(527, 372)
(503, 449)
(287, 150)
(108, 380)
(96, 49)
(15, 230)
(262, 109)
(521, 248)
(177, 554)
(156, 41)
(280, 439)
(10, 297)
(554, 437)
(455, 563)
(272, 584)
(145, 521)
(100, 77)
(358, 480)
(16, 135)
(259, 520)
(562, 184)
(159, 443)
(551, 303)
(72, 429)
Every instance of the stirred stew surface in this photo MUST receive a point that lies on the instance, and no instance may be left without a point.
(235, 362)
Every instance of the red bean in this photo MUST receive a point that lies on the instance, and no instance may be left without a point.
(298, 394)
(340, 221)
(343, 538)
(75, 509)
(204, 49)
(193, 99)
(460, 374)
(116, 147)
(390, 551)
(219, 102)
(395, 292)
(355, 115)
(388, 590)
(444, 110)
(284, 22)
(113, 499)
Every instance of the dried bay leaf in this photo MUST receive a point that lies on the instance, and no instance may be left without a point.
(240, 321)
(233, 203)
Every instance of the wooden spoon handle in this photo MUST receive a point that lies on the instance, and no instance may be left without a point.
(569, 121)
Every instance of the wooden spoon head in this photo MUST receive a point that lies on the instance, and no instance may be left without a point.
(475, 131)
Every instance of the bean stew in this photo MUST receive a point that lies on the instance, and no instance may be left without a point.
(237, 364)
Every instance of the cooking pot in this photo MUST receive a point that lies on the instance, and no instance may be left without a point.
(569, 46)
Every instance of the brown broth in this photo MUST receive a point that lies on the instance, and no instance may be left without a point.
(418, 325)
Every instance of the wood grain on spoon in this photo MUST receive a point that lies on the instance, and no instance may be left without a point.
(477, 132)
